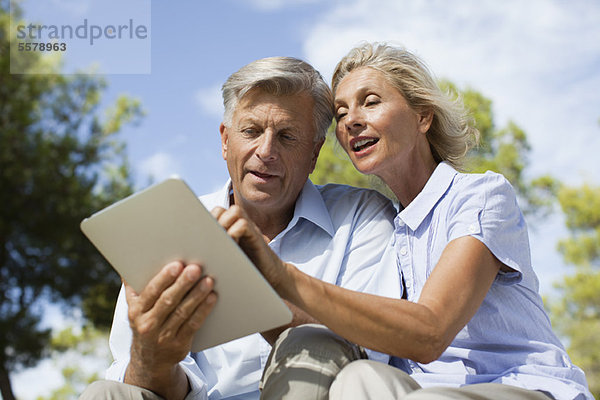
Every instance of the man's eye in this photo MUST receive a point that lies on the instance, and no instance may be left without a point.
(250, 132)
(288, 137)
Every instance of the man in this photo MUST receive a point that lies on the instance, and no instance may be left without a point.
(277, 111)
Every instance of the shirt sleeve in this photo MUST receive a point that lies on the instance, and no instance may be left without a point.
(120, 344)
(486, 208)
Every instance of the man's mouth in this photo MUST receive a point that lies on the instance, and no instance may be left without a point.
(362, 144)
(261, 175)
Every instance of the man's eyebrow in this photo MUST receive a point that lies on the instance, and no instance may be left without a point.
(247, 119)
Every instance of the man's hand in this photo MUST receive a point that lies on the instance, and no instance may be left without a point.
(163, 319)
(248, 236)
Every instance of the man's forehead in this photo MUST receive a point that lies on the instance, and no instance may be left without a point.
(294, 109)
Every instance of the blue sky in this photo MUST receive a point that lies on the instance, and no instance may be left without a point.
(539, 62)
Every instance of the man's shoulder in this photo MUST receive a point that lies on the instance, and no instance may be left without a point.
(338, 196)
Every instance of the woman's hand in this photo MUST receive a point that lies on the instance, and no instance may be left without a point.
(253, 243)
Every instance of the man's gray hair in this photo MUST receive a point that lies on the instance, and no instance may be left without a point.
(281, 76)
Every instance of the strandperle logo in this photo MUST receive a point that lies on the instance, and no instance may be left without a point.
(90, 32)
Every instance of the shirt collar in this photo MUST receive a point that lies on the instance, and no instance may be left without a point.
(225, 194)
(309, 205)
(437, 184)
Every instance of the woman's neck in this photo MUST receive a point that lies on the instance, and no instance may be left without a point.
(409, 179)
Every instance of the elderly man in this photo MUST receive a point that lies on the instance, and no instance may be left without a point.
(277, 111)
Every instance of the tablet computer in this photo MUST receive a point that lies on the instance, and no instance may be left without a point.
(142, 233)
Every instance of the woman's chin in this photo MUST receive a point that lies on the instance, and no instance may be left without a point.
(364, 168)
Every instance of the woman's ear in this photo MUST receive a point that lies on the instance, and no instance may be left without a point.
(425, 118)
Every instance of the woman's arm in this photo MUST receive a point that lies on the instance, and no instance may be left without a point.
(420, 331)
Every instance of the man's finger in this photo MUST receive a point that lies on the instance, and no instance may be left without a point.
(196, 320)
(217, 211)
(239, 230)
(172, 296)
(139, 304)
(230, 216)
(188, 304)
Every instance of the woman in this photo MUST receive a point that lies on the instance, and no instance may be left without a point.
(470, 323)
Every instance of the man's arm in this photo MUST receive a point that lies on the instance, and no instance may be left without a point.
(163, 320)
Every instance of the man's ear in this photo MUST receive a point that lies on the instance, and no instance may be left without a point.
(425, 118)
(224, 139)
(315, 155)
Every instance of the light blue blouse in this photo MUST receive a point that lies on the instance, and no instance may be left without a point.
(509, 340)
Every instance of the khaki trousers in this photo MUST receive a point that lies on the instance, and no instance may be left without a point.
(304, 362)
(372, 380)
(311, 362)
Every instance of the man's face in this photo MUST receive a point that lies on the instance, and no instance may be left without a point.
(270, 150)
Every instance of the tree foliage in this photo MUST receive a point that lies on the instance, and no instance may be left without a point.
(60, 160)
(505, 150)
(79, 353)
(576, 315)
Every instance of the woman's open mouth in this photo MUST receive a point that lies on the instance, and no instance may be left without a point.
(362, 144)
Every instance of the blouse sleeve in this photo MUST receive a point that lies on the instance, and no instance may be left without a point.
(486, 208)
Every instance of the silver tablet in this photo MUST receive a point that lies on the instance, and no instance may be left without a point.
(165, 222)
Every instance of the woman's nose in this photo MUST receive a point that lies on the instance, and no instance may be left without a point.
(354, 119)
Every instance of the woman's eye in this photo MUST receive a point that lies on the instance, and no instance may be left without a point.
(339, 115)
(371, 101)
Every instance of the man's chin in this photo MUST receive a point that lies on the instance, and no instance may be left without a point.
(261, 198)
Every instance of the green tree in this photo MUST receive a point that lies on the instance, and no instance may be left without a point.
(76, 352)
(505, 150)
(60, 160)
(576, 315)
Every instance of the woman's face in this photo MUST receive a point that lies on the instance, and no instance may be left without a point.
(377, 127)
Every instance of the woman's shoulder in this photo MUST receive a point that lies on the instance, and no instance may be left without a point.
(487, 181)
(485, 184)
(489, 190)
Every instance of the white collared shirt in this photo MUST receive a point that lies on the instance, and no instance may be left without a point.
(337, 233)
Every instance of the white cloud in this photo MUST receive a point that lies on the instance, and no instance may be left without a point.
(160, 166)
(539, 61)
(210, 101)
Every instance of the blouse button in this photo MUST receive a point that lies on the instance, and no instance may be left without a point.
(403, 251)
(472, 228)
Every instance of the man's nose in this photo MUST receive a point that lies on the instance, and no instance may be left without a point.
(267, 147)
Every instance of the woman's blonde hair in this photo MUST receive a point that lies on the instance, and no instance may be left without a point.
(452, 133)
